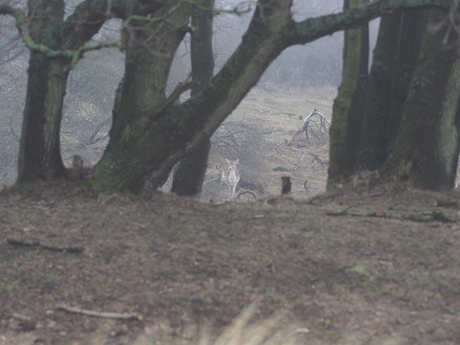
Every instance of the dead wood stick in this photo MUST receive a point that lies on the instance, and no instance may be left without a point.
(24, 243)
(245, 191)
(285, 185)
(107, 315)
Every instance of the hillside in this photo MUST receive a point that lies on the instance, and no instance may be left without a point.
(367, 264)
(254, 133)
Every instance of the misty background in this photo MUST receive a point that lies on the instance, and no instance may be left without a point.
(92, 84)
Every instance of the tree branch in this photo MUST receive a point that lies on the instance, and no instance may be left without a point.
(314, 28)
(73, 55)
(178, 90)
(109, 315)
(90, 15)
(82, 25)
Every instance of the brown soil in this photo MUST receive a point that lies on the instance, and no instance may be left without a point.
(366, 264)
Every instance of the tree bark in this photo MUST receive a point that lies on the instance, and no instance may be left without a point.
(190, 172)
(393, 65)
(55, 46)
(138, 131)
(39, 152)
(163, 138)
(411, 30)
(426, 147)
(348, 109)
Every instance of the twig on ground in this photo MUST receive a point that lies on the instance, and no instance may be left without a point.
(315, 158)
(21, 317)
(244, 191)
(340, 213)
(24, 243)
(107, 315)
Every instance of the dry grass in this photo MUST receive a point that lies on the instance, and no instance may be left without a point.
(259, 125)
(242, 331)
(276, 330)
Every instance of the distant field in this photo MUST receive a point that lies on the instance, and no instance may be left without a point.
(254, 133)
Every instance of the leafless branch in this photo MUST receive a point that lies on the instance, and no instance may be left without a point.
(452, 24)
(92, 138)
(315, 158)
(228, 141)
(318, 129)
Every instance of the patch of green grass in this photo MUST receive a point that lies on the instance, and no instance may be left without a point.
(89, 183)
(7, 288)
(334, 335)
(360, 269)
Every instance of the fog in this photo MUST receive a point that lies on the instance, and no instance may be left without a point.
(91, 86)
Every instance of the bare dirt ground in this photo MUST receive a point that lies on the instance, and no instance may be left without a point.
(366, 264)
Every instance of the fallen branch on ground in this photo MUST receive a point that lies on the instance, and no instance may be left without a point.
(242, 192)
(319, 131)
(69, 249)
(424, 216)
(107, 315)
(315, 158)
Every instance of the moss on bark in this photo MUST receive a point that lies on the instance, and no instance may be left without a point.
(348, 108)
(426, 146)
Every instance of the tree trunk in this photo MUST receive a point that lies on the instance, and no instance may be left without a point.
(348, 109)
(411, 30)
(137, 130)
(52, 41)
(426, 147)
(190, 172)
(393, 65)
(141, 153)
(39, 152)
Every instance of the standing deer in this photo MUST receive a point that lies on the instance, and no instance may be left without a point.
(230, 175)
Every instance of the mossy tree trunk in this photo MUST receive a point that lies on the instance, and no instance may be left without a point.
(55, 44)
(143, 149)
(426, 147)
(394, 61)
(348, 109)
(189, 173)
(411, 29)
(138, 129)
(40, 155)
(410, 128)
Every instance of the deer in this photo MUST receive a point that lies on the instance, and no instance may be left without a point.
(230, 175)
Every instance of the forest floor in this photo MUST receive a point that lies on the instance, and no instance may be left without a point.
(365, 264)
